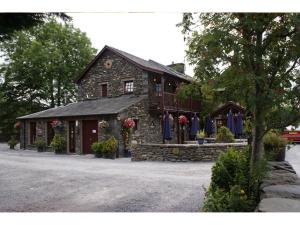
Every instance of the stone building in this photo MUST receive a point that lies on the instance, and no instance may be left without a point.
(114, 86)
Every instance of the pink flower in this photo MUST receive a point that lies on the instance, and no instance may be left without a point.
(183, 120)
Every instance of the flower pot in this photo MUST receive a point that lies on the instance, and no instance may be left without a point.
(40, 149)
(281, 155)
(59, 151)
(12, 147)
(200, 141)
(127, 153)
(98, 154)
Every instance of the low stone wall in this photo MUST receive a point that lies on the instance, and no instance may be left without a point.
(181, 152)
(280, 190)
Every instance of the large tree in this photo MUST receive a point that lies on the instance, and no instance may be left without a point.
(11, 22)
(41, 65)
(255, 57)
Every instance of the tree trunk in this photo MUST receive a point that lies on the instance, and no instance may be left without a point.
(257, 136)
(58, 92)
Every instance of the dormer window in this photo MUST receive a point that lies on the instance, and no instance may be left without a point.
(128, 86)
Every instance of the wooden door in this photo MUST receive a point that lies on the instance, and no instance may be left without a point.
(89, 135)
(72, 142)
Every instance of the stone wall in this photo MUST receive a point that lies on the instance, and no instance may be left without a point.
(181, 152)
(120, 71)
(280, 189)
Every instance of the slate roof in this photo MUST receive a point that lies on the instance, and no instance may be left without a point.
(149, 65)
(223, 109)
(103, 106)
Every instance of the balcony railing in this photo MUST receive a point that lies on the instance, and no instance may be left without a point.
(171, 102)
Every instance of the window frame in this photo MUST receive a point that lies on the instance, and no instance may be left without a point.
(124, 86)
(101, 87)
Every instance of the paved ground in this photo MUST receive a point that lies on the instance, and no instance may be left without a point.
(31, 181)
(293, 156)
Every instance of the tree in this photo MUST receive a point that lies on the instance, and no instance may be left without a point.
(41, 65)
(11, 22)
(256, 56)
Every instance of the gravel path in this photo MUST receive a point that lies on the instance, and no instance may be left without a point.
(31, 181)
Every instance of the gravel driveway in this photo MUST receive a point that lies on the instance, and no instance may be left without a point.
(31, 181)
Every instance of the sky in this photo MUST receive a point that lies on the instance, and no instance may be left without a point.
(146, 35)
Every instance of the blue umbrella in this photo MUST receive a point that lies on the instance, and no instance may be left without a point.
(230, 122)
(195, 125)
(239, 124)
(209, 126)
(167, 130)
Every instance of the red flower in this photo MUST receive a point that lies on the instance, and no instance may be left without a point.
(128, 123)
(17, 125)
(183, 120)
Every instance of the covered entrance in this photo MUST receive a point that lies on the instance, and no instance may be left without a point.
(89, 135)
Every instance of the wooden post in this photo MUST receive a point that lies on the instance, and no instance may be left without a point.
(162, 106)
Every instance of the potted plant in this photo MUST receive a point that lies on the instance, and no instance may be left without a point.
(58, 144)
(97, 147)
(12, 142)
(110, 148)
(224, 135)
(40, 144)
(275, 146)
(200, 137)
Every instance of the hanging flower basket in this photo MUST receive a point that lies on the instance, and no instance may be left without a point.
(17, 125)
(57, 125)
(126, 128)
(183, 120)
(103, 124)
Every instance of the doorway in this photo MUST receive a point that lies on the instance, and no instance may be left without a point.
(89, 135)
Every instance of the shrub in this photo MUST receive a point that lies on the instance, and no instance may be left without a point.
(232, 189)
(97, 147)
(40, 143)
(231, 168)
(273, 144)
(58, 143)
(224, 135)
(111, 145)
(12, 142)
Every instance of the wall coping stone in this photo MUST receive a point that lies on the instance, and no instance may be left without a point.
(194, 145)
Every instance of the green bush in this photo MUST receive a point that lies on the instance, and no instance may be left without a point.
(232, 189)
(273, 144)
(12, 142)
(224, 135)
(58, 143)
(40, 143)
(230, 169)
(97, 147)
(110, 146)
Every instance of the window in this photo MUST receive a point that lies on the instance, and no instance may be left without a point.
(104, 90)
(157, 89)
(32, 132)
(135, 128)
(128, 86)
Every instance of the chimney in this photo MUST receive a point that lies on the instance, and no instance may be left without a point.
(179, 67)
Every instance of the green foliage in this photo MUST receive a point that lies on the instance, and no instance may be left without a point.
(111, 145)
(232, 189)
(200, 134)
(58, 143)
(254, 58)
(12, 142)
(106, 147)
(230, 169)
(40, 142)
(97, 147)
(224, 135)
(273, 144)
(11, 22)
(41, 65)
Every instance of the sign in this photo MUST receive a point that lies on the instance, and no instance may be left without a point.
(94, 131)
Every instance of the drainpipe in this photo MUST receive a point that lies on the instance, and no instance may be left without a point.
(162, 106)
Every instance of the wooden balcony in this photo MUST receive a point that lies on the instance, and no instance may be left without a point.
(171, 103)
